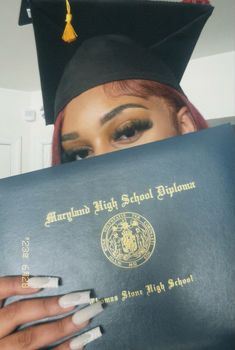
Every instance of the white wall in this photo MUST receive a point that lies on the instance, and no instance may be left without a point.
(209, 82)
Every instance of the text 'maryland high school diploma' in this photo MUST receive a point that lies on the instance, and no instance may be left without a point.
(150, 229)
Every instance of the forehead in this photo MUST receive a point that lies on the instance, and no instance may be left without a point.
(88, 110)
(100, 99)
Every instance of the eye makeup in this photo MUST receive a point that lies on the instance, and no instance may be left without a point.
(131, 129)
(128, 132)
(75, 154)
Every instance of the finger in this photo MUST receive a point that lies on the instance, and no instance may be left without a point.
(12, 285)
(45, 334)
(25, 311)
(80, 341)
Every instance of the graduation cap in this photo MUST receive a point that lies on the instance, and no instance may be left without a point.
(116, 40)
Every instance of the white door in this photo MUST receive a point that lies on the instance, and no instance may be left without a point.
(24, 145)
(10, 156)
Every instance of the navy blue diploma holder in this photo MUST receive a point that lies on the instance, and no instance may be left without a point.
(150, 230)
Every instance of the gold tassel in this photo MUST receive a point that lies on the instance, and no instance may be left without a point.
(69, 34)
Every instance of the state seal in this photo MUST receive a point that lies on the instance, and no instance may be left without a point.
(128, 240)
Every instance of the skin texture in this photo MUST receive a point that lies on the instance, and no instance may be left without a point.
(107, 124)
(21, 312)
(85, 133)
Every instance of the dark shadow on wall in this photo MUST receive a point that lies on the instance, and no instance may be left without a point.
(219, 121)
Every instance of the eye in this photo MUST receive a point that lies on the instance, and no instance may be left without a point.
(131, 130)
(75, 154)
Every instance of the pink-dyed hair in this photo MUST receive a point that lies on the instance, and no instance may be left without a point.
(139, 88)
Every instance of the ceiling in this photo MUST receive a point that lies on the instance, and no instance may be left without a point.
(18, 68)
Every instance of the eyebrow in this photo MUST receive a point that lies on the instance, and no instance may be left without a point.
(112, 114)
(107, 117)
(69, 137)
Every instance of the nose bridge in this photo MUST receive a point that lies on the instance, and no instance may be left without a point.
(101, 146)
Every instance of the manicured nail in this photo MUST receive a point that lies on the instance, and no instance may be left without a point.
(85, 338)
(43, 282)
(87, 313)
(76, 298)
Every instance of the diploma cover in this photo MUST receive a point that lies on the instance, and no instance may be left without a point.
(150, 229)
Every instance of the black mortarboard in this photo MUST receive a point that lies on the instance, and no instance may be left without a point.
(117, 40)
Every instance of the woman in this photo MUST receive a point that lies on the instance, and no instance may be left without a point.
(145, 111)
(140, 111)
(123, 97)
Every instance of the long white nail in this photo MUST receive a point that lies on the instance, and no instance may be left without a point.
(76, 298)
(87, 313)
(85, 338)
(43, 282)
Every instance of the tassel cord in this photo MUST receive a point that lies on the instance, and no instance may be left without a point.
(69, 34)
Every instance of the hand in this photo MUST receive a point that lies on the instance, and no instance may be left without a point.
(34, 337)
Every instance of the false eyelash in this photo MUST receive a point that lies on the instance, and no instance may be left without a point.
(70, 155)
(138, 125)
(135, 125)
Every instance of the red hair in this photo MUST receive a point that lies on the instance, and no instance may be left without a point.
(139, 88)
(56, 141)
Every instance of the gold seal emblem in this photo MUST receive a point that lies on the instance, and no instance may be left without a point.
(128, 240)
